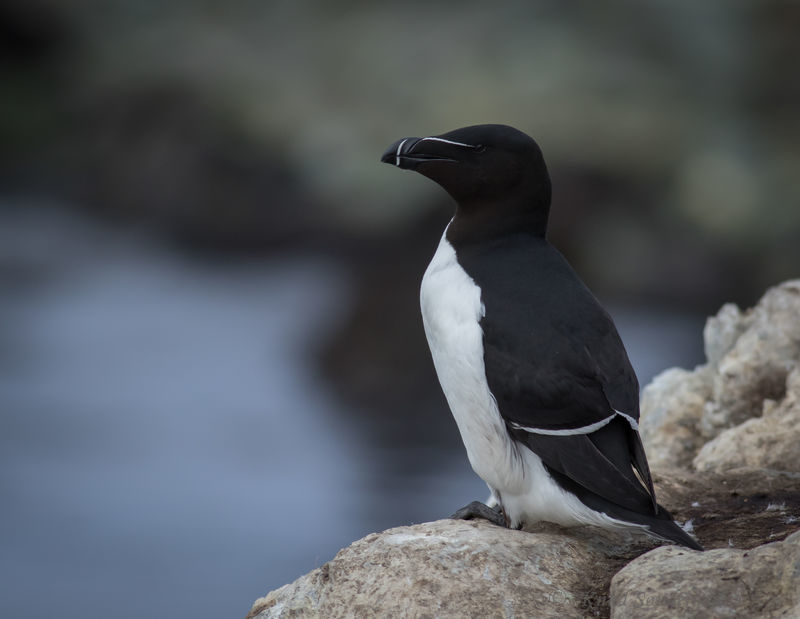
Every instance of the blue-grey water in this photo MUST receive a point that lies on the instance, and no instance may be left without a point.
(166, 448)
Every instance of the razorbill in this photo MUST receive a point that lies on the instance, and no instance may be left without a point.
(532, 366)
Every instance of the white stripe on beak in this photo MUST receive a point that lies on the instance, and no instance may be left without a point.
(397, 154)
(448, 142)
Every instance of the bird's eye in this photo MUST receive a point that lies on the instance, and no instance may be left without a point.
(479, 148)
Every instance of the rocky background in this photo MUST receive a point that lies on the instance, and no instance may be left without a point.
(724, 448)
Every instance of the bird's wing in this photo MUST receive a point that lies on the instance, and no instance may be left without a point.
(563, 383)
(553, 358)
(558, 407)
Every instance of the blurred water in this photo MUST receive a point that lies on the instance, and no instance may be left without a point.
(165, 448)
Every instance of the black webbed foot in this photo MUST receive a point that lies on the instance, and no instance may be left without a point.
(476, 509)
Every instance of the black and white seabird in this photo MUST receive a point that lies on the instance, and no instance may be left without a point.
(532, 366)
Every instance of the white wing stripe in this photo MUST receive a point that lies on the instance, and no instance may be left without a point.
(570, 431)
(631, 420)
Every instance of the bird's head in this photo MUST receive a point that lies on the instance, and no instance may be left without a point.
(482, 167)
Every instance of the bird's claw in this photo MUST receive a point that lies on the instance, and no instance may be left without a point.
(476, 509)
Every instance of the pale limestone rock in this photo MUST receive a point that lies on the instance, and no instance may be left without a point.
(722, 331)
(737, 409)
(452, 568)
(673, 582)
(736, 419)
(755, 366)
(770, 441)
(456, 569)
(672, 406)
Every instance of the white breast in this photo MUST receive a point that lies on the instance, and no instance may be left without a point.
(451, 311)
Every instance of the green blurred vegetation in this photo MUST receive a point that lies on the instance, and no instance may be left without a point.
(670, 128)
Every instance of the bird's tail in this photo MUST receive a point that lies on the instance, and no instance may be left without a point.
(670, 531)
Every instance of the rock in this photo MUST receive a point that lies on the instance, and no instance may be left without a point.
(672, 407)
(771, 440)
(452, 568)
(672, 582)
(741, 508)
(739, 409)
(724, 446)
(755, 366)
(722, 331)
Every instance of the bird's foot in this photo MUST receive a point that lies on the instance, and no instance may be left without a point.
(476, 509)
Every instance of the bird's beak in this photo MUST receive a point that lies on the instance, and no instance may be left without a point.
(409, 153)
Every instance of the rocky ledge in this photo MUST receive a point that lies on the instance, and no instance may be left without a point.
(724, 445)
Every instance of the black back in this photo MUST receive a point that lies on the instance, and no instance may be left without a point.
(554, 359)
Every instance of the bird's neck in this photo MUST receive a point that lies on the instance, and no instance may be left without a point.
(499, 219)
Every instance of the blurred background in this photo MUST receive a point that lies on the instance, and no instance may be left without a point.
(213, 373)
